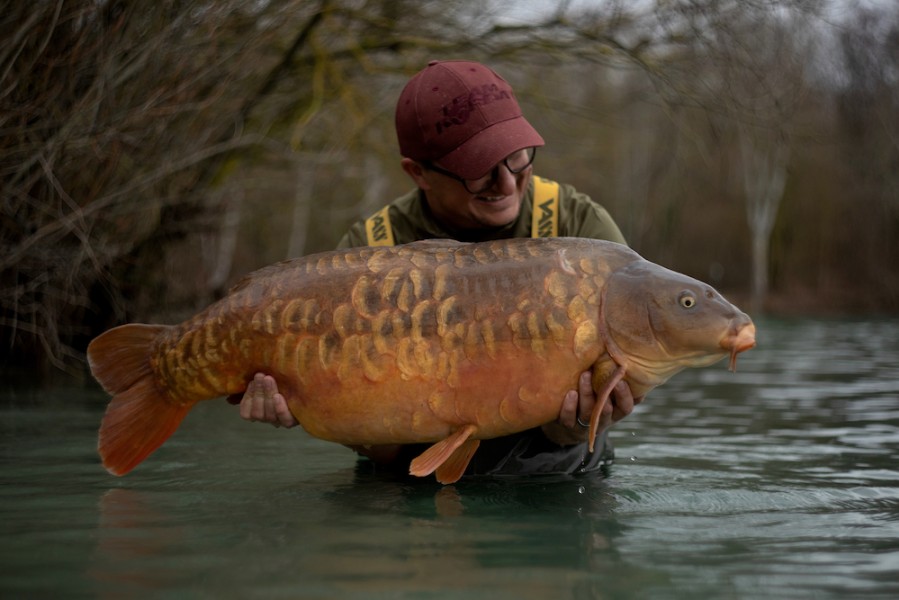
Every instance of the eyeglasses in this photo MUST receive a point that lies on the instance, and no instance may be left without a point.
(515, 162)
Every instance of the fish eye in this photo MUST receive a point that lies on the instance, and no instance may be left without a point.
(687, 300)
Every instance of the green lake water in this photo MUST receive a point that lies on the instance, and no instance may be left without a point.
(778, 481)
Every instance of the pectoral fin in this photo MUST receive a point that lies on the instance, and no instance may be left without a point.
(602, 396)
(448, 457)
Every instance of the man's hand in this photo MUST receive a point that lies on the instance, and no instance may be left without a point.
(263, 402)
(573, 424)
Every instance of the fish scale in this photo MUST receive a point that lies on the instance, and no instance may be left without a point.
(429, 342)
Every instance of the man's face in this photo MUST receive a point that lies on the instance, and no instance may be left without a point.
(499, 204)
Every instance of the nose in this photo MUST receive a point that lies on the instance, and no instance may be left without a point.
(505, 181)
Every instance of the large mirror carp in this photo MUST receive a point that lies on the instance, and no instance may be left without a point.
(435, 341)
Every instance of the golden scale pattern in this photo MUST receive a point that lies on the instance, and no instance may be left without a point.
(420, 312)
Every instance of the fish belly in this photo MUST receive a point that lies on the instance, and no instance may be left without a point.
(425, 397)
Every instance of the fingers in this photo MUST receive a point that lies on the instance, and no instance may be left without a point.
(268, 410)
(252, 397)
(263, 402)
(620, 404)
(624, 401)
(577, 405)
(569, 413)
(574, 417)
(282, 412)
(586, 396)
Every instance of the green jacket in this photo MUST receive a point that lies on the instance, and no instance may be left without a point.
(575, 215)
(410, 220)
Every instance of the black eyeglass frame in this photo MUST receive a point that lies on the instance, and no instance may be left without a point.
(494, 174)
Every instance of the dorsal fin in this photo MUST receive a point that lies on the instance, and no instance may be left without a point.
(434, 243)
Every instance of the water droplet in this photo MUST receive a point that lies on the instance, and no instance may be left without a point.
(581, 490)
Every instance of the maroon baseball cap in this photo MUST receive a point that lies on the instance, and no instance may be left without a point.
(462, 115)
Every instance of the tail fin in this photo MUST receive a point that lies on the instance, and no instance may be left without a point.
(140, 416)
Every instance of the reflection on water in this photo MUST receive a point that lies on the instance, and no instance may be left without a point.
(779, 480)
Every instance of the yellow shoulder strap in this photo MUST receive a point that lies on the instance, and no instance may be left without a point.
(377, 229)
(545, 220)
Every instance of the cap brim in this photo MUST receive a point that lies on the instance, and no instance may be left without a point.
(487, 148)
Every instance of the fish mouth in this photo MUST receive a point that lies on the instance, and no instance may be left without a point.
(742, 340)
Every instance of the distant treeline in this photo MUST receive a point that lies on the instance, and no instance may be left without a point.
(151, 153)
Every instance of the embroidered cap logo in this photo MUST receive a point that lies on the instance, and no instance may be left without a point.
(460, 108)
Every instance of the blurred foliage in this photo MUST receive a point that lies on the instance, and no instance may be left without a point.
(152, 153)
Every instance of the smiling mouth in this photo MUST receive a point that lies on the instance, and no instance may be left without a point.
(490, 199)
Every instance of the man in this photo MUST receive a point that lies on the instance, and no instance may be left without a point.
(470, 151)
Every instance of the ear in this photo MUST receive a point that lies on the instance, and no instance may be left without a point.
(416, 172)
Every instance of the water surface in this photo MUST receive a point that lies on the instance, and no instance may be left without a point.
(778, 481)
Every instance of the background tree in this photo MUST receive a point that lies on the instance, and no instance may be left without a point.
(152, 153)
